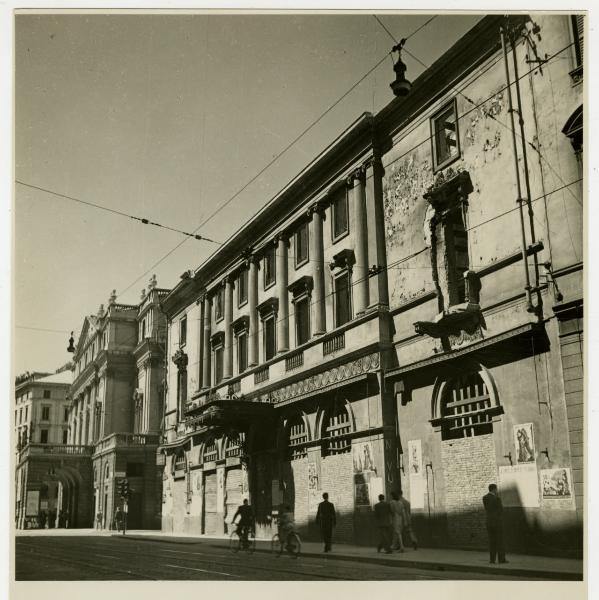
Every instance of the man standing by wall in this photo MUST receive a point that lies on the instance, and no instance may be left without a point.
(384, 521)
(494, 510)
(326, 519)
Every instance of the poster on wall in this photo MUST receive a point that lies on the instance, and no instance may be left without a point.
(363, 457)
(220, 490)
(362, 493)
(556, 483)
(519, 485)
(32, 505)
(417, 486)
(376, 488)
(524, 442)
(313, 487)
(415, 457)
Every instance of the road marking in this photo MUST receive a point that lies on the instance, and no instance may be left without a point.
(201, 570)
(184, 552)
(107, 556)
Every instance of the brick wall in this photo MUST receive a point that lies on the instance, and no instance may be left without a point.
(337, 479)
(469, 466)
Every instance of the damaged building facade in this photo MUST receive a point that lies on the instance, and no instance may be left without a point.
(405, 314)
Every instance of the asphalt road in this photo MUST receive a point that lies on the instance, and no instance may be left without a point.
(57, 558)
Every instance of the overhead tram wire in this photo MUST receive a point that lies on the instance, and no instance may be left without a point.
(116, 212)
(270, 163)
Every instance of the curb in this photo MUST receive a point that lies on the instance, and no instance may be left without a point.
(411, 563)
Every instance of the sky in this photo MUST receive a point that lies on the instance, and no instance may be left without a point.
(166, 117)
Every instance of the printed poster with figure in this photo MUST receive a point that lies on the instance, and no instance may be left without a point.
(415, 457)
(556, 483)
(313, 487)
(416, 476)
(364, 472)
(524, 442)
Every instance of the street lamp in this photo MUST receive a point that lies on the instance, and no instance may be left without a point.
(401, 86)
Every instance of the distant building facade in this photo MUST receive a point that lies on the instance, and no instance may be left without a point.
(41, 418)
(405, 314)
(114, 418)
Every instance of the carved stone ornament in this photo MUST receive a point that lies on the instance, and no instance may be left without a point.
(180, 359)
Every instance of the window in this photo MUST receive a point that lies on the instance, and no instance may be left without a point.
(47, 394)
(210, 451)
(297, 439)
(269, 267)
(143, 330)
(183, 331)
(445, 136)
(234, 446)
(340, 220)
(343, 313)
(20, 415)
(242, 288)
(242, 352)
(26, 413)
(466, 408)
(218, 364)
(578, 34)
(43, 436)
(65, 436)
(269, 332)
(219, 304)
(336, 429)
(302, 320)
(456, 240)
(45, 413)
(179, 461)
(301, 245)
(65, 416)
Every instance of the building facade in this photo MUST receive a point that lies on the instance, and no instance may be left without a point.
(405, 314)
(113, 421)
(41, 420)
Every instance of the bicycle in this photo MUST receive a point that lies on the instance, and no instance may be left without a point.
(236, 540)
(292, 544)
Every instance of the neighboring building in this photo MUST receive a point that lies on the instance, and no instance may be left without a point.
(114, 417)
(374, 327)
(41, 419)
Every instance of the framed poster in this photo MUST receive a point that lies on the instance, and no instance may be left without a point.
(519, 485)
(415, 457)
(556, 483)
(363, 457)
(524, 442)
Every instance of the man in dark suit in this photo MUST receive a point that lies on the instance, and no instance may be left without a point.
(384, 520)
(327, 519)
(494, 510)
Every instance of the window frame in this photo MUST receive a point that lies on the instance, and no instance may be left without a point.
(270, 317)
(183, 331)
(242, 284)
(47, 395)
(65, 436)
(336, 199)
(45, 411)
(336, 277)
(216, 349)
(269, 253)
(303, 298)
(450, 105)
(47, 436)
(304, 226)
(219, 304)
(242, 334)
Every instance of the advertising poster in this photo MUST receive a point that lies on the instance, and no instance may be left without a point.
(556, 483)
(220, 490)
(363, 457)
(524, 443)
(415, 457)
(519, 485)
(417, 486)
(313, 487)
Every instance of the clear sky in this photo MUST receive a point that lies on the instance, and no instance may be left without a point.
(166, 117)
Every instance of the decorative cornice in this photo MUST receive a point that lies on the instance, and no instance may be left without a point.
(343, 260)
(270, 305)
(180, 359)
(302, 285)
(241, 324)
(317, 207)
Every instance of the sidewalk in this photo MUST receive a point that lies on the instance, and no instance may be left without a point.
(438, 559)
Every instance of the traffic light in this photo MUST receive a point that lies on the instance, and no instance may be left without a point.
(119, 487)
(125, 492)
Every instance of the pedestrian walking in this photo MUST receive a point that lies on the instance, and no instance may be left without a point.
(118, 519)
(494, 510)
(408, 530)
(384, 521)
(326, 519)
(399, 520)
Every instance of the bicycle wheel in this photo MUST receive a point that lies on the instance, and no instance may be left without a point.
(294, 544)
(251, 543)
(234, 542)
(275, 545)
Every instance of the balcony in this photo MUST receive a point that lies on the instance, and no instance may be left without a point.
(333, 344)
(261, 375)
(294, 361)
(55, 450)
(127, 440)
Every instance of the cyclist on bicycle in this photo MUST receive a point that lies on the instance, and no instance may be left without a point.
(245, 523)
(286, 525)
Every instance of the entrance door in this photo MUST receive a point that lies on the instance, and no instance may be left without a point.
(134, 514)
(210, 515)
(232, 491)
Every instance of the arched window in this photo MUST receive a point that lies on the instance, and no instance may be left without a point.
(234, 446)
(337, 426)
(210, 451)
(297, 438)
(107, 471)
(466, 408)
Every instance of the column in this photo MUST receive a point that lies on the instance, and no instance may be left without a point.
(361, 296)
(206, 346)
(228, 357)
(201, 302)
(318, 300)
(253, 309)
(282, 292)
(377, 251)
(92, 412)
